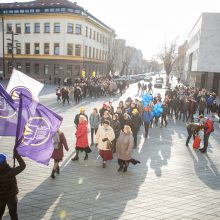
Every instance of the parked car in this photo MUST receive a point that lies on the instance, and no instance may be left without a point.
(148, 79)
(159, 82)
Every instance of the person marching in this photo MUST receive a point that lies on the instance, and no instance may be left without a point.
(8, 185)
(81, 112)
(147, 118)
(115, 124)
(94, 121)
(124, 146)
(82, 143)
(104, 136)
(59, 142)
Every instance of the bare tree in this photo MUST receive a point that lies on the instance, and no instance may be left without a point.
(168, 55)
(128, 54)
(111, 56)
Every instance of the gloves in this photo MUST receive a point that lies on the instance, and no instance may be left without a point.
(96, 145)
(105, 139)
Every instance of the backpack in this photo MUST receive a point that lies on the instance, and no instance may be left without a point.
(56, 141)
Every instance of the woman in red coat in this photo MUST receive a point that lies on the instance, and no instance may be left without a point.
(82, 143)
(59, 140)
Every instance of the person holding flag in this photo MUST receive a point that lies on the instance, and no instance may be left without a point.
(8, 185)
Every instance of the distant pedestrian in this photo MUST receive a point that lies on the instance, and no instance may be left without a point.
(82, 112)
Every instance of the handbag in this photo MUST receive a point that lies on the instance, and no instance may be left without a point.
(109, 145)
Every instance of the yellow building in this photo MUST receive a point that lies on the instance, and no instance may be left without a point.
(52, 39)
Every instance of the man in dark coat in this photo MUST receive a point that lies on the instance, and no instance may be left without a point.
(8, 185)
(82, 112)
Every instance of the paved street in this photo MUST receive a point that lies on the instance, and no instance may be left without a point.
(172, 181)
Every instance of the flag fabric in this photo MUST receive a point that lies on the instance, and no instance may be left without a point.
(36, 126)
(8, 115)
(19, 82)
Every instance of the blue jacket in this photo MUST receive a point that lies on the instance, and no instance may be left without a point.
(147, 116)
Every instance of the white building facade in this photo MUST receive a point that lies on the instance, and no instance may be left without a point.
(56, 38)
(202, 62)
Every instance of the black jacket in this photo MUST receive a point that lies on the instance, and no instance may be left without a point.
(8, 182)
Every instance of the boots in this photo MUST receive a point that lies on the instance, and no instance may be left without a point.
(52, 174)
(86, 157)
(75, 158)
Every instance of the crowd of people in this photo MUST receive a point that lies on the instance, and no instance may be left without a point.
(89, 87)
(115, 129)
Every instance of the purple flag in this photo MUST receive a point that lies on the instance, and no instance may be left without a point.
(36, 126)
(8, 114)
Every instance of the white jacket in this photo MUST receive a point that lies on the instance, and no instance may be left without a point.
(104, 133)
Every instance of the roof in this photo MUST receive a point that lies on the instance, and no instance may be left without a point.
(40, 4)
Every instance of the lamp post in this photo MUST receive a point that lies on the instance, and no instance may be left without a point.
(11, 45)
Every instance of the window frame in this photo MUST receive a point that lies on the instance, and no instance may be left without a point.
(56, 32)
(35, 26)
(35, 45)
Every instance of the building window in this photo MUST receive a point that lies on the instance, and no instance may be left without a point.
(36, 68)
(90, 33)
(22, 11)
(27, 11)
(57, 9)
(100, 38)
(18, 66)
(77, 70)
(36, 48)
(93, 54)
(78, 29)
(86, 31)
(69, 49)
(27, 28)
(18, 48)
(46, 69)
(90, 52)
(70, 10)
(10, 67)
(78, 50)
(69, 70)
(52, 9)
(37, 28)
(27, 48)
(97, 36)
(63, 9)
(100, 54)
(70, 28)
(94, 34)
(56, 69)
(46, 48)
(37, 10)
(86, 53)
(97, 54)
(18, 28)
(56, 49)
(56, 27)
(9, 46)
(27, 68)
(9, 28)
(47, 28)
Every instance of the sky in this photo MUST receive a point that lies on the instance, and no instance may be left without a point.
(148, 24)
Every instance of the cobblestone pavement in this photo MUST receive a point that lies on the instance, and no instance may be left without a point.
(172, 181)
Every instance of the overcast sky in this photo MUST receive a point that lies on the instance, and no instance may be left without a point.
(147, 24)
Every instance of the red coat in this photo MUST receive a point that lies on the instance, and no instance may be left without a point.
(82, 135)
(58, 153)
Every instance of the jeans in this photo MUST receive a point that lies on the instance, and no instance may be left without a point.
(146, 127)
(163, 118)
(189, 136)
(12, 206)
(93, 130)
(206, 141)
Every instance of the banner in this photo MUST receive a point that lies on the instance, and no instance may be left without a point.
(8, 116)
(36, 126)
(19, 82)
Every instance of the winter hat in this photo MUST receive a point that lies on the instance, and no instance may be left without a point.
(104, 105)
(2, 159)
(135, 111)
(106, 122)
(82, 109)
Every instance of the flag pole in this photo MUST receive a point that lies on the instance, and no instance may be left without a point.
(18, 126)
